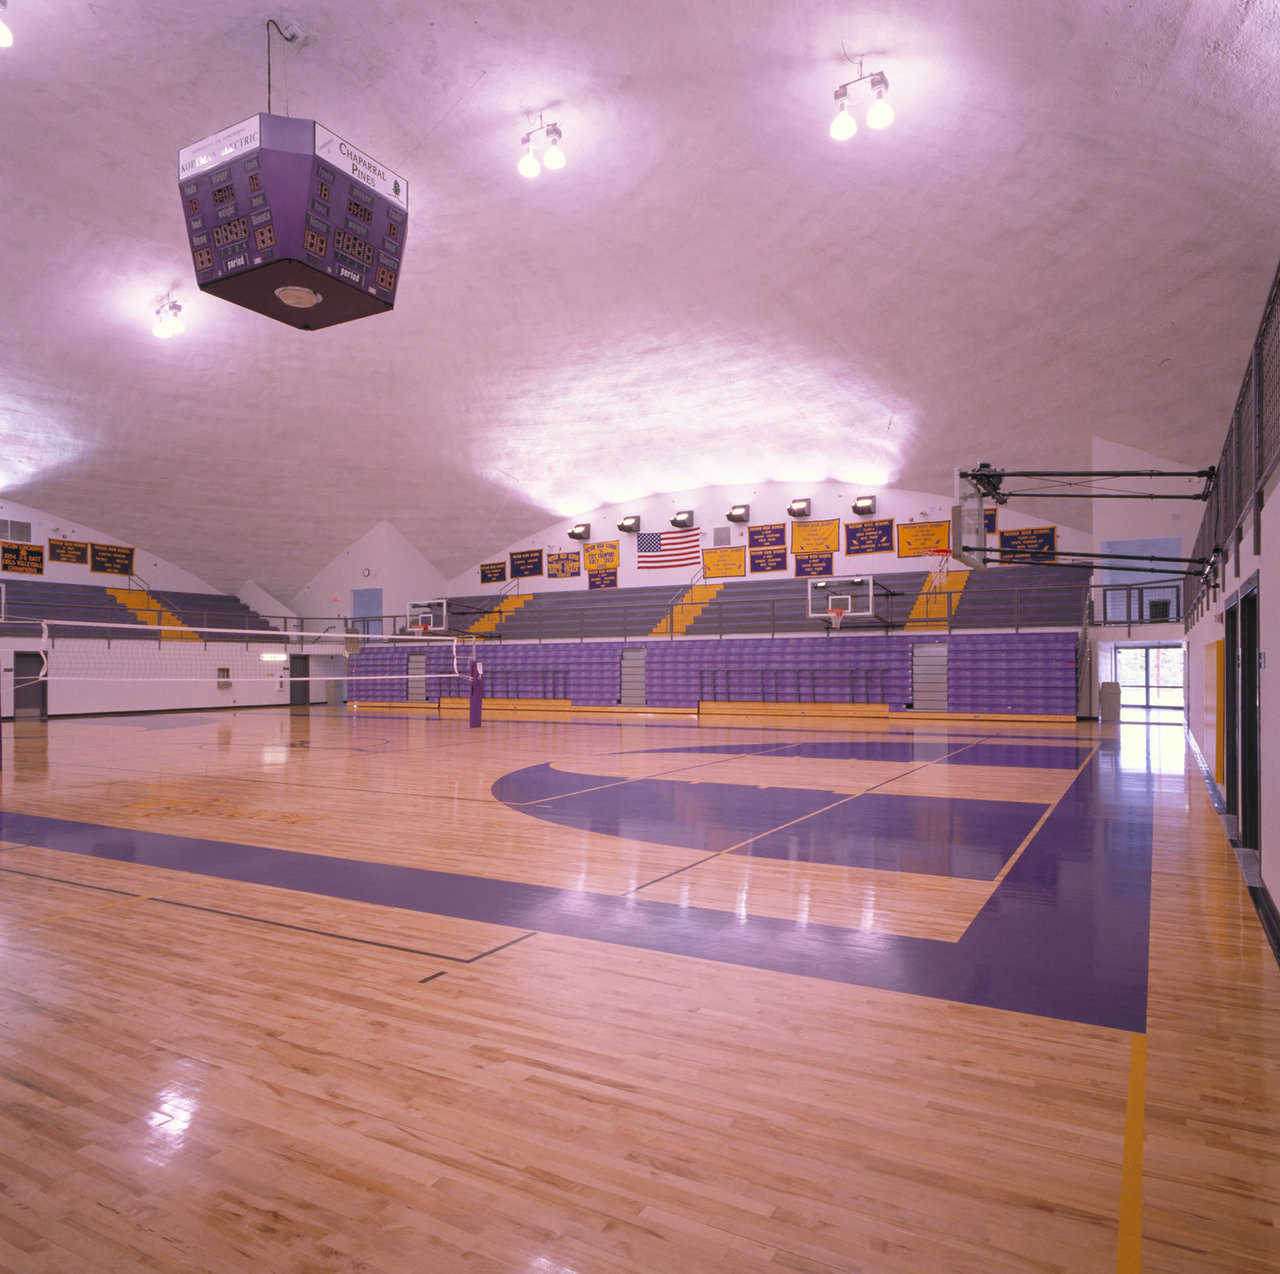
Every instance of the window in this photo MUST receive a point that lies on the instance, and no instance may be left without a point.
(20, 532)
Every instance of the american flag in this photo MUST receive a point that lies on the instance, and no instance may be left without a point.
(658, 550)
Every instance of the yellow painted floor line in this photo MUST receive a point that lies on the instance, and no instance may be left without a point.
(1129, 1245)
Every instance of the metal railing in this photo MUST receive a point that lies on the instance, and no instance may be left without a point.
(792, 685)
(1250, 455)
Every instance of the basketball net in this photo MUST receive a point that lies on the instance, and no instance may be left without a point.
(835, 616)
(941, 568)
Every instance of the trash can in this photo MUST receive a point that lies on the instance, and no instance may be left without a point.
(1109, 702)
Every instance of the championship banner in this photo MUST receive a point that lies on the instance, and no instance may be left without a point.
(774, 559)
(868, 537)
(601, 555)
(73, 552)
(809, 564)
(22, 559)
(493, 572)
(722, 563)
(915, 539)
(602, 577)
(815, 537)
(1029, 544)
(526, 562)
(989, 521)
(769, 535)
(110, 559)
(564, 565)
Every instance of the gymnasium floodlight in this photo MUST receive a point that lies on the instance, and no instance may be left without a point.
(683, 520)
(580, 531)
(738, 513)
(800, 508)
(630, 524)
(864, 505)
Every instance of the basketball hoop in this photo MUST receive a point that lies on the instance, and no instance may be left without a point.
(835, 617)
(939, 571)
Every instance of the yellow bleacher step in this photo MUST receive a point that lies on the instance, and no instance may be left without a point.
(687, 609)
(147, 610)
(934, 607)
(507, 606)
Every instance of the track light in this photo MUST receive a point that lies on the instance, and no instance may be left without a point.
(168, 320)
(528, 165)
(553, 157)
(6, 36)
(683, 520)
(739, 513)
(580, 531)
(799, 508)
(844, 125)
(864, 505)
(879, 113)
(630, 524)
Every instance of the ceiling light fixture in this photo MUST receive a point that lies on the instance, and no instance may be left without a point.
(6, 36)
(879, 114)
(168, 320)
(297, 297)
(553, 157)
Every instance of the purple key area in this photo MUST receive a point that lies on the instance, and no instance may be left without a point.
(1065, 935)
(939, 836)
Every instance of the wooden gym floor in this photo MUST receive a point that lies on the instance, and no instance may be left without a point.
(306, 991)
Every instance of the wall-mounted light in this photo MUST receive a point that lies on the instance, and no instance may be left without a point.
(879, 113)
(168, 320)
(273, 656)
(553, 156)
(683, 520)
(6, 36)
(630, 524)
(799, 508)
(738, 513)
(864, 505)
(580, 531)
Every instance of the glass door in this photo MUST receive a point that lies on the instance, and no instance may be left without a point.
(1151, 677)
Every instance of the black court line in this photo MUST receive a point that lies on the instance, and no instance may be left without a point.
(61, 880)
(341, 937)
(431, 977)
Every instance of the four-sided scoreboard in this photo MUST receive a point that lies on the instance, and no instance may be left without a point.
(286, 218)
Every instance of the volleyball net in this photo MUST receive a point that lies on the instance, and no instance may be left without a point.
(65, 654)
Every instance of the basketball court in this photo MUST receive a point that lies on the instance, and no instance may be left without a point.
(627, 994)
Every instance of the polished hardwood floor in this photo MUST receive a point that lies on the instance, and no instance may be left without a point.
(307, 991)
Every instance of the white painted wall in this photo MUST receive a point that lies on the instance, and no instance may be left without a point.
(156, 570)
(381, 558)
(768, 504)
(1142, 519)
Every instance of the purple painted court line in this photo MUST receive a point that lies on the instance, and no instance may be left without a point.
(932, 835)
(707, 817)
(1065, 935)
(1031, 755)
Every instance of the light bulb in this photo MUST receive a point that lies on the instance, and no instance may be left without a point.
(528, 165)
(553, 156)
(879, 113)
(6, 36)
(844, 125)
(168, 322)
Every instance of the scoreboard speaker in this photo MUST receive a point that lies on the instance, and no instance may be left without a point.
(288, 219)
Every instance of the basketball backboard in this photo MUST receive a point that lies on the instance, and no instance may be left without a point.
(853, 595)
(968, 528)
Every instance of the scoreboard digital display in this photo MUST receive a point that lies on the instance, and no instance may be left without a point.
(288, 219)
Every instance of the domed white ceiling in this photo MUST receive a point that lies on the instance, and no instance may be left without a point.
(1069, 230)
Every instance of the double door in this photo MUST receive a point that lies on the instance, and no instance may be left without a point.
(1242, 714)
